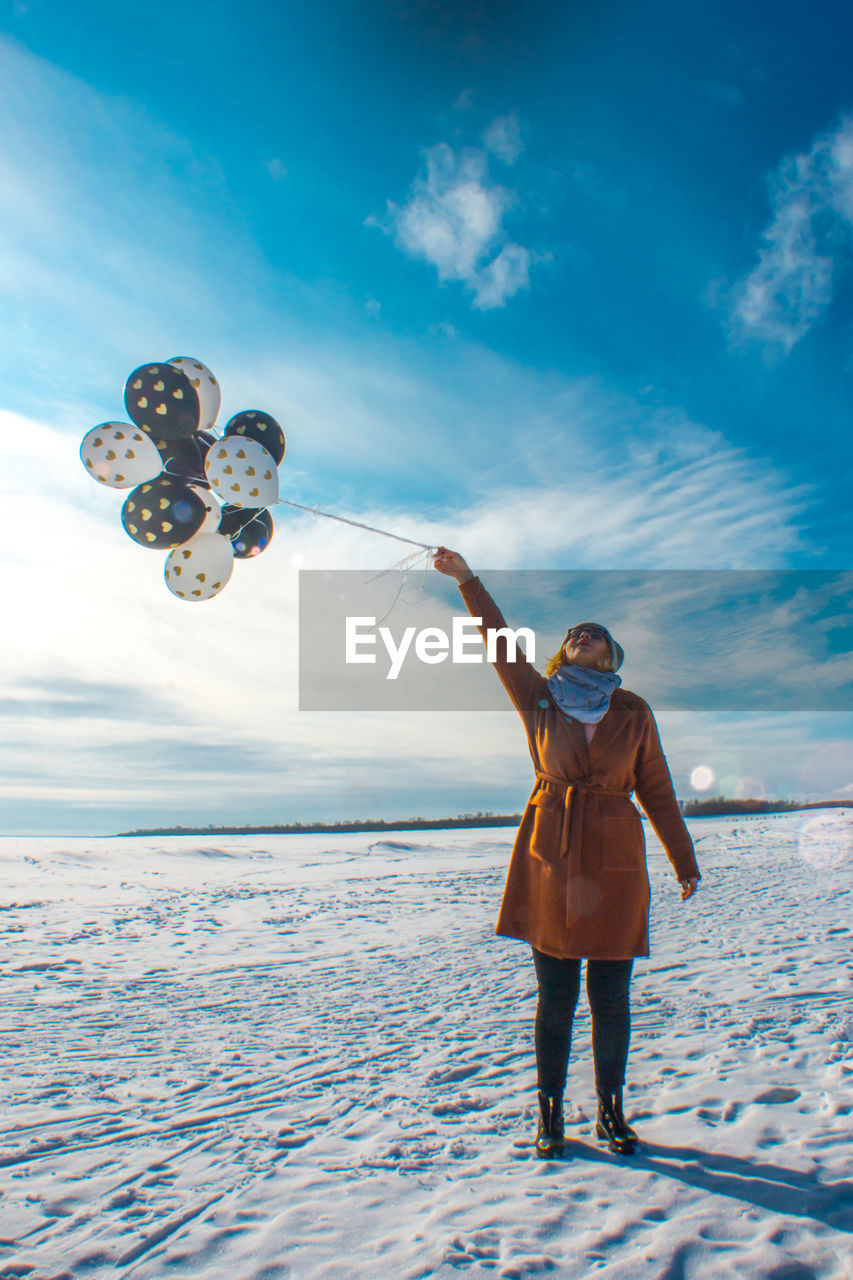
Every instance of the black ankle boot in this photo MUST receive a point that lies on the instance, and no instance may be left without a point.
(550, 1139)
(612, 1125)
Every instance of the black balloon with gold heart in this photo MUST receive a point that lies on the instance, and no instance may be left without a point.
(162, 513)
(185, 458)
(249, 529)
(162, 401)
(259, 426)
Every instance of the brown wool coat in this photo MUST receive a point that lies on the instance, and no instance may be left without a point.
(577, 883)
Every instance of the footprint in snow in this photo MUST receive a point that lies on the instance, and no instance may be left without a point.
(459, 1106)
(451, 1075)
(781, 1093)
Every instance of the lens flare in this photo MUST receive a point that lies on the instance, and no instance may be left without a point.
(701, 778)
(826, 839)
(182, 510)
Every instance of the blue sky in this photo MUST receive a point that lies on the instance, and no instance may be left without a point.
(563, 288)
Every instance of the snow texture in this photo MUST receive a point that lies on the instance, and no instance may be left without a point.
(309, 1056)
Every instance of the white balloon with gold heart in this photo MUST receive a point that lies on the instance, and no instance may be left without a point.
(119, 455)
(200, 569)
(206, 388)
(242, 472)
(212, 509)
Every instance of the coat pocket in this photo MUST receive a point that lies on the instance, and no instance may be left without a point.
(547, 828)
(623, 844)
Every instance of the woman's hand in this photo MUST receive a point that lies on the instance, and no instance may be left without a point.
(688, 887)
(451, 563)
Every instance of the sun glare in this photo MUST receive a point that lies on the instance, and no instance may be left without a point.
(701, 778)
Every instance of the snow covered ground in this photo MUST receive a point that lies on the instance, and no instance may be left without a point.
(309, 1056)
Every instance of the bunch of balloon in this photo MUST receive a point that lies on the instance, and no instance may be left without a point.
(179, 470)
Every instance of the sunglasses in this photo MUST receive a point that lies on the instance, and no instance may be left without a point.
(594, 633)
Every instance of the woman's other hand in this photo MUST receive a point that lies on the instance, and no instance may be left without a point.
(451, 563)
(688, 887)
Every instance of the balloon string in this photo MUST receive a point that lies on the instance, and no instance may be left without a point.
(199, 481)
(315, 511)
(404, 567)
(328, 515)
(405, 564)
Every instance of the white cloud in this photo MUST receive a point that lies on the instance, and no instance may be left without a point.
(503, 139)
(454, 219)
(804, 245)
(215, 733)
(718, 511)
(504, 276)
(454, 214)
(516, 466)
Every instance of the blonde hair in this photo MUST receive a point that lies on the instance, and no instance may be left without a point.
(556, 662)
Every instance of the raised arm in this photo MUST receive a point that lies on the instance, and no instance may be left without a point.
(520, 678)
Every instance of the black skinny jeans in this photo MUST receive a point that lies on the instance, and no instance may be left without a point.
(607, 985)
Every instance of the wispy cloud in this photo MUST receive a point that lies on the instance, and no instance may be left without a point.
(720, 510)
(276, 168)
(172, 711)
(502, 138)
(454, 218)
(146, 683)
(805, 245)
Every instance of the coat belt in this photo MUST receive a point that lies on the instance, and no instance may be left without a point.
(576, 790)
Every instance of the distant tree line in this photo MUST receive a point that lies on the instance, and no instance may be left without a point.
(707, 808)
(714, 805)
(478, 819)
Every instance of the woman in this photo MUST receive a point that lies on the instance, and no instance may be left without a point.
(577, 885)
